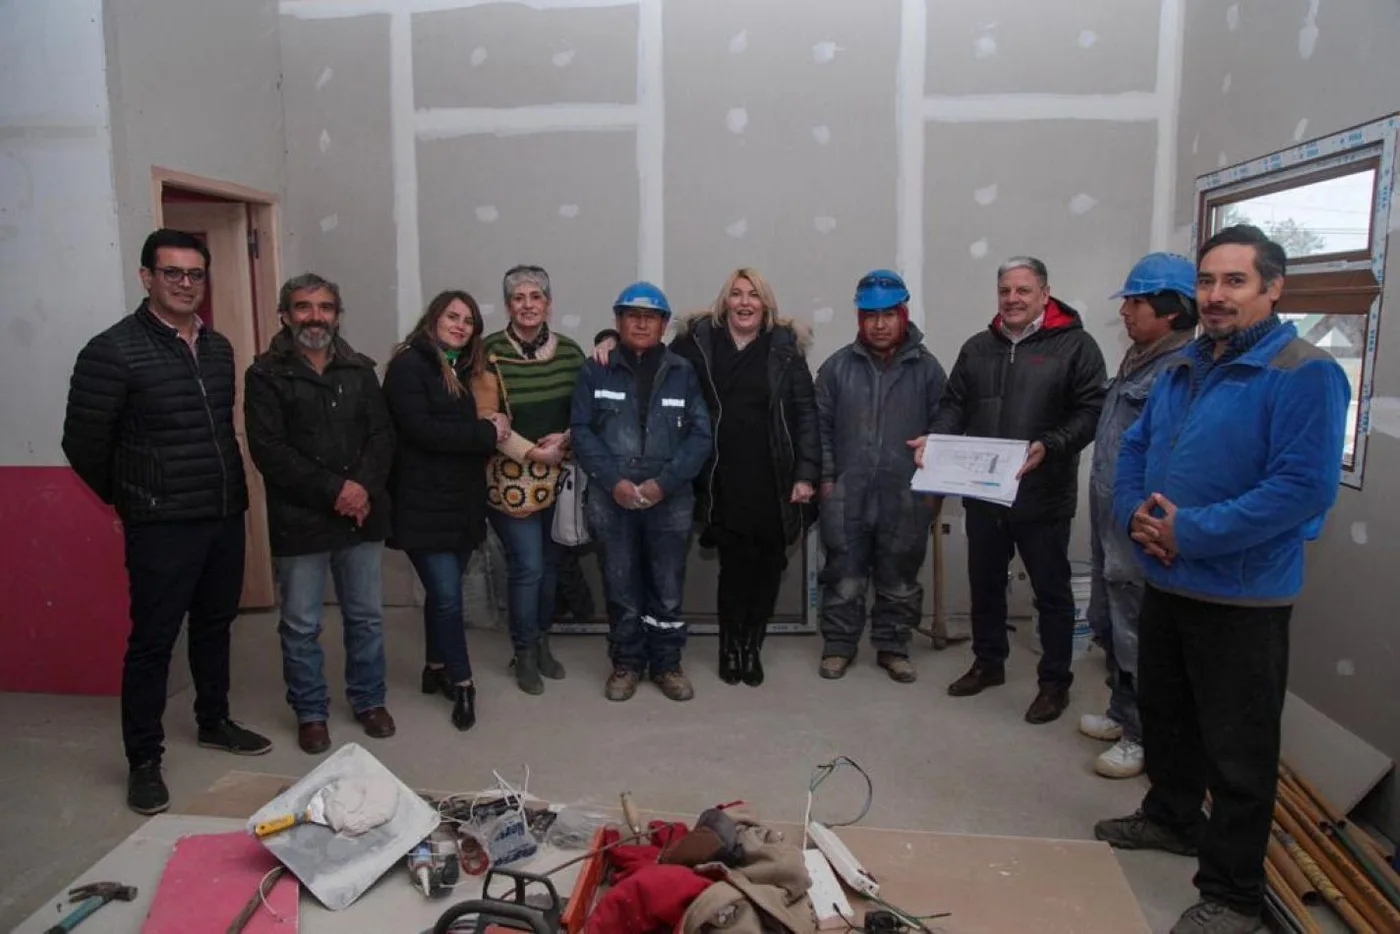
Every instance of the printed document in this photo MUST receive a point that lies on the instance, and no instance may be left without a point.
(982, 468)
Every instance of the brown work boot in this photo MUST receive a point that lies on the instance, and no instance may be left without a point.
(377, 722)
(313, 737)
(674, 684)
(1048, 704)
(622, 684)
(898, 667)
(834, 666)
(978, 678)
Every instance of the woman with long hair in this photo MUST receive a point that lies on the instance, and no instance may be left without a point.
(529, 374)
(438, 485)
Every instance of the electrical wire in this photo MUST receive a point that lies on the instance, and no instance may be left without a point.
(819, 775)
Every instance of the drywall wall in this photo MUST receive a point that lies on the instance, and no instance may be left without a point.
(433, 144)
(194, 86)
(1260, 76)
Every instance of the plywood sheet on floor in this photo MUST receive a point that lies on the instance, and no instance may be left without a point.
(990, 884)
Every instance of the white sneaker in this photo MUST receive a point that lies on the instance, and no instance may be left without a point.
(1100, 727)
(1124, 760)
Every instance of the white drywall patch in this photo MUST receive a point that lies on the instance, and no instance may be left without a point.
(330, 222)
(570, 322)
(985, 195)
(1226, 82)
(737, 119)
(487, 213)
(1385, 413)
(562, 59)
(1087, 38)
(325, 141)
(1232, 17)
(568, 210)
(824, 53)
(1126, 107)
(978, 248)
(910, 133)
(408, 287)
(651, 143)
(449, 122)
(824, 223)
(1307, 36)
(1082, 203)
(1346, 668)
(1300, 130)
(985, 46)
(1358, 533)
(324, 78)
(1195, 144)
(1171, 36)
(823, 315)
(739, 41)
(738, 228)
(478, 56)
(821, 133)
(1222, 160)
(488, 309)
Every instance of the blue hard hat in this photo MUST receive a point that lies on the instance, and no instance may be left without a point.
(645, 296)
(1160, 272)
(880, 289)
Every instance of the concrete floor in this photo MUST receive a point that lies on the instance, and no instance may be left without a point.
(938, 763)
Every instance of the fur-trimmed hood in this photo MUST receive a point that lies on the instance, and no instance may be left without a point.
(801, 331)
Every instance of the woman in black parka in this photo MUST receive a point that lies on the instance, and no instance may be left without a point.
(438, 485)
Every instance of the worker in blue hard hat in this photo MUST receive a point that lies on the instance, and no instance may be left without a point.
(1159, 316)
(871, 395)
(641, 433)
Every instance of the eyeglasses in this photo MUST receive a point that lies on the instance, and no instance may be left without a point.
(174, 275)
(879, 282)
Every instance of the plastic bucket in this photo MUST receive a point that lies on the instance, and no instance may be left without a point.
(1081, 585)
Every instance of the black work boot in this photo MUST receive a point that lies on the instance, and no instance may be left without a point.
(550, 666)
(750, 656)
(464, 706)
(527, 670)
(730, 662)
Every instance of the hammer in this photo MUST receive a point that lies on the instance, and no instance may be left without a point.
(94, 896)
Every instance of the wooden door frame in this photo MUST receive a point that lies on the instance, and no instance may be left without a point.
(258, 276)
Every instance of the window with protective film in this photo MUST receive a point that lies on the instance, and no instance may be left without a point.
(1327, 202)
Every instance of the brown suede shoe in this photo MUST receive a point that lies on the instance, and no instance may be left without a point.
(834, 666)
(674, 684)
(377, 722)
(978, 678)
(898, 667)
(313, 737)
(622, 684)
(1048, 704)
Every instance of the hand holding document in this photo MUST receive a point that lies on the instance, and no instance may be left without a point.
(982, 468)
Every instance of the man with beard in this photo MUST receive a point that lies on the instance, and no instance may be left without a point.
(319, 431)
(1232, 466)
(871, 395)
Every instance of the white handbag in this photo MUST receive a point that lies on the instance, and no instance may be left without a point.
(570, 524)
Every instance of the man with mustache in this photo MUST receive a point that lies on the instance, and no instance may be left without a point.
(1036, 375)
(1232, 466)
(149, 428)
(319, 431)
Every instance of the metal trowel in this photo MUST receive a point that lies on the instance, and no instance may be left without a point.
(315, 813)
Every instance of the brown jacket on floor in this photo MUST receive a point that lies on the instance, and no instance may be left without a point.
(766, 892)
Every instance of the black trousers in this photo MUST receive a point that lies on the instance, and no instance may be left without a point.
(750, 572)
(1211, 684)
(176, 568)
(992, 540)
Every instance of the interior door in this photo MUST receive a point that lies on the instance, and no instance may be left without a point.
(230, 307)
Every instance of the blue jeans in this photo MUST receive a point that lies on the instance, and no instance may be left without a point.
(444, 623)
(643, 576)
(359, 588)
(532, 565)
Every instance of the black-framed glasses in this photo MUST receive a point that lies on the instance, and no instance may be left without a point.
(174, 275)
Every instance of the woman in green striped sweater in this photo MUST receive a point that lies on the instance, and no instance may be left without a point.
(529, 375)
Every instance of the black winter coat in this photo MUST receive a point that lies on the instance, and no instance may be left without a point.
(439, 478)
(1048, 388)
(793, 440)
(310, 432)
(149, 430)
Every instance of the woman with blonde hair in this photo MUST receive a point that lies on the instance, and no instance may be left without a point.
(438, 484)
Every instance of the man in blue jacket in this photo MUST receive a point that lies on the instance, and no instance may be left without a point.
(1231, 468)
(641, 432)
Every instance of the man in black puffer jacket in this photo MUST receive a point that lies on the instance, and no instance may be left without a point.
(319, 431)
(1034, 374)
(149, 428)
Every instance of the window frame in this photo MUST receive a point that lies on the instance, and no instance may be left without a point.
(1351, 281)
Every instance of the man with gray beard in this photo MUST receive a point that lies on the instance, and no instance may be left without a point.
(319, 431)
